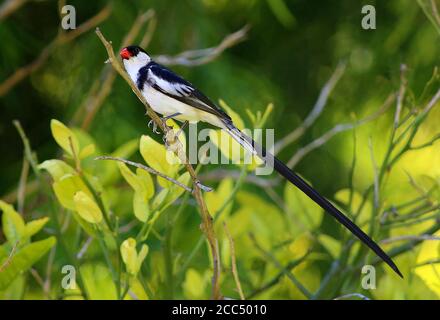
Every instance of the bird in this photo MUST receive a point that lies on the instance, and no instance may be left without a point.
(174, 97)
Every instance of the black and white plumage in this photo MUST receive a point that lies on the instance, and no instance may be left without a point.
(169, 94)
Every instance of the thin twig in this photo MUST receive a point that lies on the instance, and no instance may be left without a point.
(400, 95)
(316, 111)
(376, 201)
(10, 256)
(27, 148)
(202, 56)
(350, 295)
(327, 279)
(234, 262)
(301, 153)
(221, 174)
(276, 279)
(435, 12)
(410, 237)
(148, 169)
(148, 36)
(10, 6)
(60, 39)
(49, 266)
(21, 193)
(278, 265)
(84, 248)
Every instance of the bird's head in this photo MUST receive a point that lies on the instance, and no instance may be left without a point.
(134, 57)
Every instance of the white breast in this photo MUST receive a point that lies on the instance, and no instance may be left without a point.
(167, 106)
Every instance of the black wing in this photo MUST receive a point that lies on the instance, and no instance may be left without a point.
(170, 84)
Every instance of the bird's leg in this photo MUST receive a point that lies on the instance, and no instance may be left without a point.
(171, 116)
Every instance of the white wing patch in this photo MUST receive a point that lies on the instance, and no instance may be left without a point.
(173, 88)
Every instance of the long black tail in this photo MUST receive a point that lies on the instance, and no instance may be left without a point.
(283, 170)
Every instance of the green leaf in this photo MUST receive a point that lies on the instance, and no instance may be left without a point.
(160, 198)
(146, 182)
(230, 148)
(67, 187)
(140, 206)
(157, 157)
(34, 226)
(166, 197)
(194, 285)
(87, 151)
(23, 260)
(142, 254)
(65, 138)
(175, 190)
(98, 281)
(429, 272)
(343, 196)
(131, 258)
(216, 198)
(236, 119)
(56, 168)
(282, 13)
(87, 207)
(108, 170)
(129, 176)
(13, 224)
(141, 181)
(129, 255)
(143, 186)
(302, 244)
(332, 245)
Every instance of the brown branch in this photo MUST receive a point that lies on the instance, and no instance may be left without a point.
(207, 224)
(202, 56)
(61, 38)
(10, 6)
(435, 12)
(148, 36)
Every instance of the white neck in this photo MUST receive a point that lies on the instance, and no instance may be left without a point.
(133, 64)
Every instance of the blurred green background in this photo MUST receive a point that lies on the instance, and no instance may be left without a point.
(290, 52)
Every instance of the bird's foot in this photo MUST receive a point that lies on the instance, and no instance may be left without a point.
(153, 124)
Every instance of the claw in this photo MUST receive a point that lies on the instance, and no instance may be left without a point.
(153, 124)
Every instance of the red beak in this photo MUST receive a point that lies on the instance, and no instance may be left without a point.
(125, 54)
